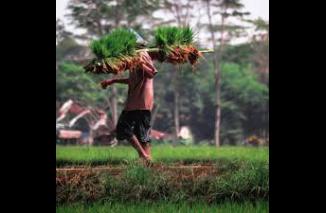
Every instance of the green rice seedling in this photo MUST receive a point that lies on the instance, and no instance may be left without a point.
(115, 52)
(187, 37)
(118, 51)
(98, 49)
(176, 45)
(166, 37)
(119, 42)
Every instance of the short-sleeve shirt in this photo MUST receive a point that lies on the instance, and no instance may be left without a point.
(140, 86)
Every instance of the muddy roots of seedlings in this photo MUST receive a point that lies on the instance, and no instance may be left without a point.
(112, 66)
(177, 55)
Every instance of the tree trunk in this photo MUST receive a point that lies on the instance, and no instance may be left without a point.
(114, 105)
(217, 63)
(181, 21)
(176, 107)
(267, 122)
(155, 110)
(217, 107)
(217, 79)
(114, 95)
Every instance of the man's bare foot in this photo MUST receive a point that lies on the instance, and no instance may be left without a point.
(147, 160)
(146, 147)
(149, 163)
(146, 157)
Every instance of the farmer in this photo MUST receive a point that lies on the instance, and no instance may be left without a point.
(134, 121)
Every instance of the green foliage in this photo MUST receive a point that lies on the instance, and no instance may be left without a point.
(260, 24)
(243, 84)
(61, 32)
(64, 47)
(244, 99)
(235, 4)
(73, 83)
(241, 92)
(120, 42)
(238, 54)
(100, 17)
(135, 8)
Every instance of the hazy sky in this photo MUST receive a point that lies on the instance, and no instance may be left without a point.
(257, 8)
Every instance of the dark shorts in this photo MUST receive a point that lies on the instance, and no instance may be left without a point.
(135, 122)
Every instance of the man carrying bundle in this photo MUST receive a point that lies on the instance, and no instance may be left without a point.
(134, 121)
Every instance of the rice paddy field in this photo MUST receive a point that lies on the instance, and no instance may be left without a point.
(181, 179)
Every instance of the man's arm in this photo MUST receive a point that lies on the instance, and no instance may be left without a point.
(109, 82)
(147, 65)
(150, 71)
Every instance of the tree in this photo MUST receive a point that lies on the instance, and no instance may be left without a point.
(243, 98)
(239, 54)
(181, 13)
(225, 9)
(64, 42)
(243, 101)
(260, 44)
(61, 32)
(74, 83)
(100, 17)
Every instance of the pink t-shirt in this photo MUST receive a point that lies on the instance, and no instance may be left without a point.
(140, 86)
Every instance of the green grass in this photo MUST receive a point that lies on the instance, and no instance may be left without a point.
(239, 181)
(70, 155)
(165, 207)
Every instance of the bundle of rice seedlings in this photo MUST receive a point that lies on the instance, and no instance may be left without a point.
(176, 45)
(114, 53)
(118, 51)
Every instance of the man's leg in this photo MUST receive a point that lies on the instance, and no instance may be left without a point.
(136, 144)
(141, 126)
(143, 129)
(124, 131)
(147, 148)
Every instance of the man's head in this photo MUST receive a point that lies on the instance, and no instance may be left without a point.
(140, 41)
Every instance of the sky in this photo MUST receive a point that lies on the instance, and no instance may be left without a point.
(257, 8)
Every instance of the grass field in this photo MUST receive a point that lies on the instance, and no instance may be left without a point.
(165, 207)
(227, 179)
(81, 155)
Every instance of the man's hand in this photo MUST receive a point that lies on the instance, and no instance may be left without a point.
(107, 83)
